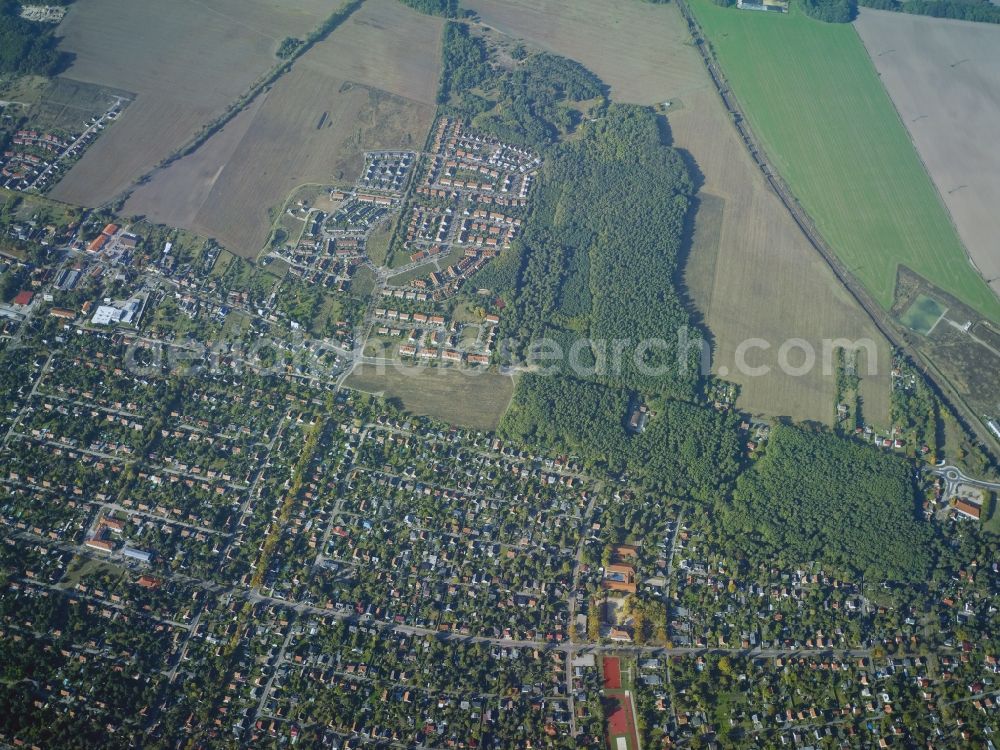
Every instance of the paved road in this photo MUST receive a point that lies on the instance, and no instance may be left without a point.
(577, 565)
(349, 615)
(126, 608)
(364, 332)
(182, 653)
(62, 155)
(127, 458)
(673, 549)
(162, 519)
(274, 672)
(429, 261)
(953, 477)
(34, 390)
(335, 511)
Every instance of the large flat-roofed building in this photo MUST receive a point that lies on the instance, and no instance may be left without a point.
(137, 554)
(105, 314)
(117, 312)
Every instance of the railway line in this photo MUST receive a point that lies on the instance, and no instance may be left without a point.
(968, 419)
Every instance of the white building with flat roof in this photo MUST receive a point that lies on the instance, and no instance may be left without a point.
(118, 312)
(106, 314)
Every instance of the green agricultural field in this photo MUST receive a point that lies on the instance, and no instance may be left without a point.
(814, 99)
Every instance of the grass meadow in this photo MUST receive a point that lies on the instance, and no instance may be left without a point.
(473, 399)
(813, 97)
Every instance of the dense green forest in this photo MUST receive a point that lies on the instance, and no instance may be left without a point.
(686, 449)
(590, 264)
(594, 272)
(569, 416)
(11, 282)
(532, 100)
(914, 407)
(597, 262)
(845, 11)
(595, 265)
(465, 65)
(831, 11)
(27, 46)
(965, 10)
(814, 497)
(446, 8)
(534, 103)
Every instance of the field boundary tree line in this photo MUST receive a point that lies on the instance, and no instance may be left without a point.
(309, 444)
(981, 11)
(444, 8)
(944, 389)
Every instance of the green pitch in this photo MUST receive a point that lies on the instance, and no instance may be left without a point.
(814, 99)
(923, 314)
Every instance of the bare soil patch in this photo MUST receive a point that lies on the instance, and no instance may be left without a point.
(175, 195)
(185, 60)
(339, 100)
(767, 282)
(384, 45)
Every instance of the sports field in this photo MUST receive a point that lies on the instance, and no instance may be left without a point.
(620, 727)
(622, 732)
(814, 99)
(611, 666)
(923, 314)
